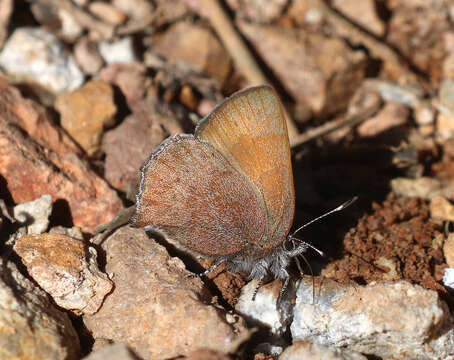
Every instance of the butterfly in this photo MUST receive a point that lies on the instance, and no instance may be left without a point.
(227, 191)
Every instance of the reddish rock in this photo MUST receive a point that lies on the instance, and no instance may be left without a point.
(30, 172)
(319, 72)
(85, 113)
(66, 269)
(130, 144)
(155, 307)
(34, 119)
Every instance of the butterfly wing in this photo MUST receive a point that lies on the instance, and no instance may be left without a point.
(250, 131)
(191, 193)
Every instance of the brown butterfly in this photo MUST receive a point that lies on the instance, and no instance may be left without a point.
(227, 191)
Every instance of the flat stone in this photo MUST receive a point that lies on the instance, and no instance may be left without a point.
(390, 320)
(66, 268)
(320, 73)
(155, 307)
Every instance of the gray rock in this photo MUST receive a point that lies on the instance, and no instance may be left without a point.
(34, 214)
(30, 325)
(120, 51)
(390, 320)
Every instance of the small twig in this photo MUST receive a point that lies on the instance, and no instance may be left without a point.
(345, 120)
(235, 45)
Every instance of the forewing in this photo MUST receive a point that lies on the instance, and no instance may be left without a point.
(191, 193)
(249, 129)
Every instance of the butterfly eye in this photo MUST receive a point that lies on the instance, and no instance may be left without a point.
(288, 245)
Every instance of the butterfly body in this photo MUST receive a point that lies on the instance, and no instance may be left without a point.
(227, 191)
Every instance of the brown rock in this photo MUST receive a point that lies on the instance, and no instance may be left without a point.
(416, 29)
(30, 172)
(131, 78)
(448, 250)
(392, 115)
(424, 188)
(30, 325)
(107, 12)
(136, 9)
(34, 119)
(319, 72)
(156, 308)
(196, 46)
(441, 209)
(112, 352)
(87, 56)
(189, 98)
(6, 9)
(66, 269)
(129, 145)
(85, 113)
(363, 13)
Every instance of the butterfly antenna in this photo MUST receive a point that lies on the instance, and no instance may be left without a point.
(339, 208)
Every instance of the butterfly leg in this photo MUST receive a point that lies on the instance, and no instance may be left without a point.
(259, 283)
(210, 269)
(283, 290)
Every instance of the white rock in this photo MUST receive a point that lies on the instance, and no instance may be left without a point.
(36, 55)
(34, 214)
(307, 350)
(390, 320)
(264, 308)
(448, 278)
(423, 187)
(121, 51)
